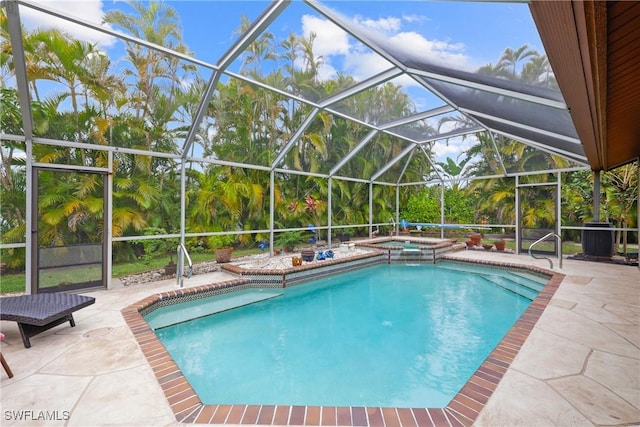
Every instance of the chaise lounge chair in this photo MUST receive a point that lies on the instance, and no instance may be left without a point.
(38, 313)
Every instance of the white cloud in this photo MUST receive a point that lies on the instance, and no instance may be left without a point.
(365, 64)
(453, 147)
(387, 25)
(438, 51)
(330, 39)
(415, 18)
(333, 44)
(86, 10)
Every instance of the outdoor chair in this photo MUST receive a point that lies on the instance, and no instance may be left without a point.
(5, 365)
(38, 313)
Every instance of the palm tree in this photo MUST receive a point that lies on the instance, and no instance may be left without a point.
(511, 58)
(537, 71)
(262, 49)
(621, 191)
(158, 23)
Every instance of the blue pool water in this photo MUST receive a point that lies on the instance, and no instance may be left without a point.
(396, 243)
(387, 335)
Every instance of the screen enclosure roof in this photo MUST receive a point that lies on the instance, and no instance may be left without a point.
(453, 104)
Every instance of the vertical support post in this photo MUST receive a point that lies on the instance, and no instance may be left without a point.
(370, 208)
(14, 27)
(558, 230)
(518, 237)
(272, 179)
(397, 226)
(442, 209)
(596, 196)
(183, 217)
(108, 219)
(32, 191)
(329, 204)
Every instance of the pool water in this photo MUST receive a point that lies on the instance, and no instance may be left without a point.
(405, 245)
(387, 335)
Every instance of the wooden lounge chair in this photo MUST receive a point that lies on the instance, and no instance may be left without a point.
(38, 313)
(4, 363)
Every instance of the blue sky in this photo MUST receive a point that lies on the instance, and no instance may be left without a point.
(469, 34)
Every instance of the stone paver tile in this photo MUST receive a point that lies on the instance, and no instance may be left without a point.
(617, 373)
(630, 332)
(577, 280)
(630, 312)
(131, 397)
(562, 303)
(598, 313)
(105, 318)
(521, 400)
(596, 402)
(26, 362)
(578, 328)
(26, 402)
(561, 356)
(93, 356)
(48, 339)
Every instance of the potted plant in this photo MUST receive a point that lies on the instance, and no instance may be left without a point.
(308, 255)
(222, 248)
(500, 244)
(288, 240)
(476, 238)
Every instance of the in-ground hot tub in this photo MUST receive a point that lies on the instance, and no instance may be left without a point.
(412, 249)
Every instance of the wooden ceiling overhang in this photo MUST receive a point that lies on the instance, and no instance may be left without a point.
(594, 50)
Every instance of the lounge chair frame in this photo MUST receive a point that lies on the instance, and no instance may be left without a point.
(40, 312)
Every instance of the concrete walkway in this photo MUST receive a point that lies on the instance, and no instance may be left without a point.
(579, 366)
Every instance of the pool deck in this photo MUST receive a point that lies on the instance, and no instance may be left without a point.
(580, 364)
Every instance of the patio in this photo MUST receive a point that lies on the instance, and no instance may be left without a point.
(579, 366)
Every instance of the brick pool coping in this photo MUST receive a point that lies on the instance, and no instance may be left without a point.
(462, 410)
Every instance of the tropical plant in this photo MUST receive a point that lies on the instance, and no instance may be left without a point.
(288, 240)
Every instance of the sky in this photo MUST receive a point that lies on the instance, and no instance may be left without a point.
(467, 34)
(463, 34)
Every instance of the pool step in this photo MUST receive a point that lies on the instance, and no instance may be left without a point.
(523, 283)
(513, 286)
(185, 311)
(542, 280)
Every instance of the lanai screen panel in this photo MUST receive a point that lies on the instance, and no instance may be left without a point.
(571, 150)
(305, 55)
(389, 101)
(137, 91)
(434, 126)
(415, 166)
(507, 108)
(379, 151)
(324, 143)
(530, 107)
(247, 123)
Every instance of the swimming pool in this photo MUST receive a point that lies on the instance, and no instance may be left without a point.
(463, 409)
(380, 336)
